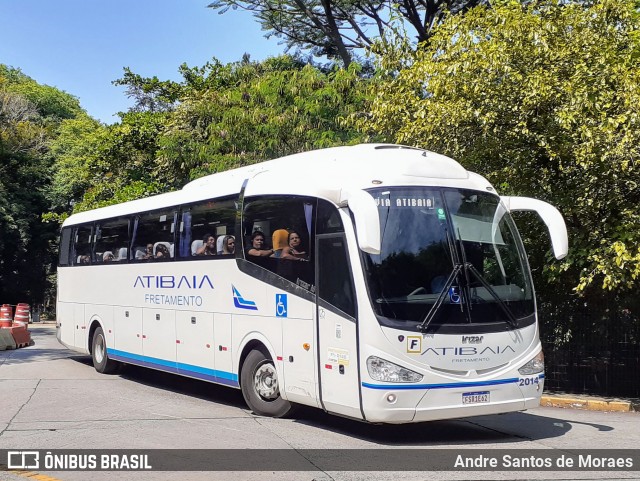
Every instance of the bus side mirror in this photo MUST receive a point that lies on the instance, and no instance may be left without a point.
(551, 217)
(365, 212)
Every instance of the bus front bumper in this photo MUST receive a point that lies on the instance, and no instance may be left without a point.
(404, 405)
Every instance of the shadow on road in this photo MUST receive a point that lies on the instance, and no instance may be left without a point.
(496, 429)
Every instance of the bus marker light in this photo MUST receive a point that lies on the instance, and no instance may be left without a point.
(391, 398)
(328, 366)
(306, 346)
(279, 358)
(177, 341)
(208, 346)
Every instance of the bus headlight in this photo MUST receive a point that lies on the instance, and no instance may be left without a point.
(382, 370)
(535, 366)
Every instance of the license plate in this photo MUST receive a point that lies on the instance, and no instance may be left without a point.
(475, 397)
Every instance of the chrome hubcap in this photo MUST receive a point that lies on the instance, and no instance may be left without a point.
(99, 349)
(265, 382)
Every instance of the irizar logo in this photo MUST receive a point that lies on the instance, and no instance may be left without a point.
(242, 303)
(174, 282)
(468, 350)
(472, 339)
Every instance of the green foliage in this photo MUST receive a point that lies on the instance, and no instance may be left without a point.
(544, 99)
(218, 117)
(246, 112)
(50, 102)
(30, 115)
(74, 152)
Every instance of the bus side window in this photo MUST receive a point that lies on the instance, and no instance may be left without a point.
(65, 247)
(111, 235)
(153, 236)
(211, 218)
(81, 252)
(335, 285)
(271, 214)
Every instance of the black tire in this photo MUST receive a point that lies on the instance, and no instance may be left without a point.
(101, 361)
(260, 388)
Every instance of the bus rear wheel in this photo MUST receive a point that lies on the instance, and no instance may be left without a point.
(101, 361)
(260, 386)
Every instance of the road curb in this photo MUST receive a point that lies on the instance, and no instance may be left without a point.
(586, 404)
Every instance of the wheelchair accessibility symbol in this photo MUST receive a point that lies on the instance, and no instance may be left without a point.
(281, 305)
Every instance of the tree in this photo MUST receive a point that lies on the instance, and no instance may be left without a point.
(30, 114)
(218, 117)
(335, 28)
(544, 98)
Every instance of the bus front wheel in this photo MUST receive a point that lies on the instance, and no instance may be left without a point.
(260, 386)
(101, 361)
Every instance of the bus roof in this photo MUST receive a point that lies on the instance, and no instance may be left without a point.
(326, 173)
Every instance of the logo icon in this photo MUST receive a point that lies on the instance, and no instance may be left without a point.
(23, 460)
(414, 344)
(454, 295)
(281, 305)
(242, 303)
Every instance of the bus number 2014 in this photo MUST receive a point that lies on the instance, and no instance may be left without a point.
(528, 381)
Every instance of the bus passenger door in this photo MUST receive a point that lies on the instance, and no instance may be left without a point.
(337, 328)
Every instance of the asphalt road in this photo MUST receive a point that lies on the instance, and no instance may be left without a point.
(52, 398)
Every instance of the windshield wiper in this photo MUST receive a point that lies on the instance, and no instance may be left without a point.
(422, 327)
(512, 321)
(457, 267)
(467, 284)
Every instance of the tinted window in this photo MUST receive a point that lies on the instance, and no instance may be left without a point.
(334, 277)
(111, 241)
(286, 223)
(153, 236)
(65, 246)
(81, 253)
(208, 229)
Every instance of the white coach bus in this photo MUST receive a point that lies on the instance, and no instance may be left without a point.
(403, 295)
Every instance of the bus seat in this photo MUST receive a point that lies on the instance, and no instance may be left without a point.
(279, 240)
(195, 245)
(122, 254)
(168, 245)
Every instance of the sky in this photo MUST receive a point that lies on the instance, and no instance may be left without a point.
(81, 46)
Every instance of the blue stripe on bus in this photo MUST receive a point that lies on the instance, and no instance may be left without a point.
(444, 386)
(221, 377)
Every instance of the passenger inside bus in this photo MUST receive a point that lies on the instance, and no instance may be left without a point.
(208, 247)
(162, 251)
(228, 245)
(257, 246)
(147, 254)
(294, 252)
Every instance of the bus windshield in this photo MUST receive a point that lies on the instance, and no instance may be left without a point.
(449, 257)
